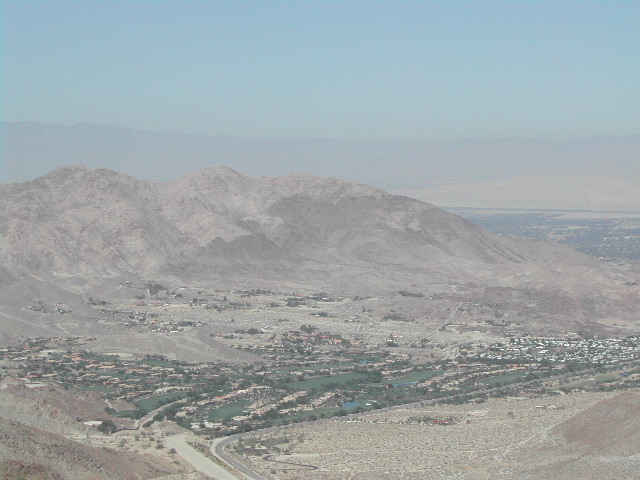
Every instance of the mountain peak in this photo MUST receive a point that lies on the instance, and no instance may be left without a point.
(318, 187)
(76, 172)
(221, 226)
(217, 171)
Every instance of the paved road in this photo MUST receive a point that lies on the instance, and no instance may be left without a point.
(149, 416)
(199, 461)
(218, 446)
(218, 450)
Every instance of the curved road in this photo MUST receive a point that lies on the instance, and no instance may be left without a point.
(219, 445)
(218, 450)
(199, 461)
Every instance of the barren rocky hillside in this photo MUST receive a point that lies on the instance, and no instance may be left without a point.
(43, 436)
(27, 452)
(77, 230)
(81, 221)
(611, 427)
(52, 408)
(601, 442)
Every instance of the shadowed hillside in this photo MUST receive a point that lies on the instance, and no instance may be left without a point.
(77, 230)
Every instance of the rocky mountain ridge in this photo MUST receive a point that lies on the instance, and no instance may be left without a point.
(78, 228)
(78, 220)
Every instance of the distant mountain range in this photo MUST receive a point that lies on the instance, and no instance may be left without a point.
(216, 221)
(31, 150)
(76, 227)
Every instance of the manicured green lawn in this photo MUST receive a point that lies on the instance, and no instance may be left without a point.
(232, 409)
(414, 377)
(320, 382)
(151, 403)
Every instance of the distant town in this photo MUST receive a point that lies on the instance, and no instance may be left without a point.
(612, 237)
(308, 374)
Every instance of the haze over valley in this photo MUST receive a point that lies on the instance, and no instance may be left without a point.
(575, 167)
(82, 228)
(218, 273)
(319, 240)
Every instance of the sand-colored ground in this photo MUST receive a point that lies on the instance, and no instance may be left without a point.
(485, 441)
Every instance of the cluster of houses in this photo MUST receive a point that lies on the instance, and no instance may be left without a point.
(605, 351)
(123, 379)
(262, 388)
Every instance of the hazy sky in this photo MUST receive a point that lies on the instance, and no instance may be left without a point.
(374, 70)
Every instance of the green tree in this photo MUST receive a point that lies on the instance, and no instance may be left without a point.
(107, 426)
